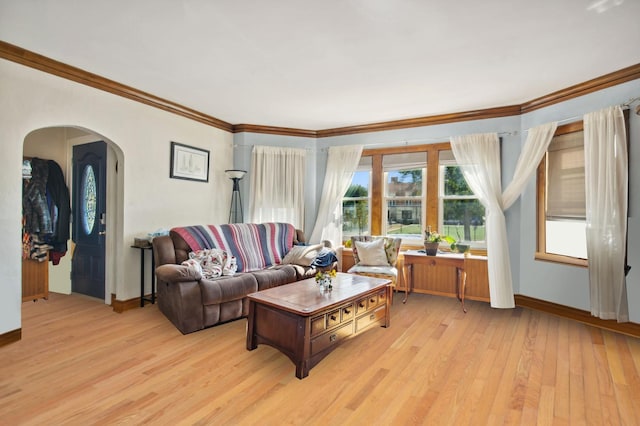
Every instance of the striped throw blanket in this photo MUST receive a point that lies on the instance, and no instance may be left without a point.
(254, 245)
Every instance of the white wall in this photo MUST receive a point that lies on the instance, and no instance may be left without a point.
(30, 99)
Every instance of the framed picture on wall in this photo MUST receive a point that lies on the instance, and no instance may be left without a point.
(188, 162)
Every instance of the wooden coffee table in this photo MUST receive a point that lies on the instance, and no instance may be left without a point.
(306, 324)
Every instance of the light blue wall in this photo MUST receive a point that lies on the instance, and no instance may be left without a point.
(565, 285)
(569, 285)
(507, 127)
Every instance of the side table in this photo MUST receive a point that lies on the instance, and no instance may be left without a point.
(412, 257)
(143, 298)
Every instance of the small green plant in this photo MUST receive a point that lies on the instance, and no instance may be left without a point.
(435, 237)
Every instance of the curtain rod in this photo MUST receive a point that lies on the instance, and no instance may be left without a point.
(407, 142)
(627, 104)
(624, 106)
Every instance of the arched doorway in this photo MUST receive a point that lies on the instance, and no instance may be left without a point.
(57, 143)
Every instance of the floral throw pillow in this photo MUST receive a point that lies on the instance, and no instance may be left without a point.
(213, 263)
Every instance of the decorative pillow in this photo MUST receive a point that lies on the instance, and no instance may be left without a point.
(392, 247)
(302, 255)
(212, 263)
(372, 253)
(355, 238)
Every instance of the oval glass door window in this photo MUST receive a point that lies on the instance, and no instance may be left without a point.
(88, 191)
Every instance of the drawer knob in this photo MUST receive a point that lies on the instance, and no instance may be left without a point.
(333, 337)
(347, 311)
(333, 317)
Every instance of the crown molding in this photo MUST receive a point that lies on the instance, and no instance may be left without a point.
(272, 130)
(34, 60)
(423, 121)
(599, 83)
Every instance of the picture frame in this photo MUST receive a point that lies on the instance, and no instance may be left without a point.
(188, 162)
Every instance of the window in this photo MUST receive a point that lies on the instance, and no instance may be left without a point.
(561, 198)
(356, 202)
(462, 216)
(401, 191)
(404, 193)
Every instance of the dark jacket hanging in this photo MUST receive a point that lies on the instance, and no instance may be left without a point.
(34, 201)
(58, 194)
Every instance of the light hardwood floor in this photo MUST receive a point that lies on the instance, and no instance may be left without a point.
(80, 363)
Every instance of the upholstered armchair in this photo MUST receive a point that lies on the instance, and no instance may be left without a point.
(376, 257)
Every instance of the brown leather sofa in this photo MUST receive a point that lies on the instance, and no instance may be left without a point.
(192, 302)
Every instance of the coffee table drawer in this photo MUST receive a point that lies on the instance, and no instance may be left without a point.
(331, 338)
(361, 305)
(333, 318)
(371, 317)
(318, 324)
(347, 312)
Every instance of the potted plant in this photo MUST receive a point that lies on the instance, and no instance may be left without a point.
(432, 241)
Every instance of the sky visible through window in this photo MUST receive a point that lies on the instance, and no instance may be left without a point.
(361, 178)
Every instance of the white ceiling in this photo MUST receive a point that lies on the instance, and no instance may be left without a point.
(332, 63)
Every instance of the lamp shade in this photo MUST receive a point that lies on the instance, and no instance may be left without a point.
(235, 174)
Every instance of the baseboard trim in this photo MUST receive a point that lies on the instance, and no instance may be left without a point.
(10, 337)
(120, 306)
(628, 328)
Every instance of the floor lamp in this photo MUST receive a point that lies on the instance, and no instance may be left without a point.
(236, 214)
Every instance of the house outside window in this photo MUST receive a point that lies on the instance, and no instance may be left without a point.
(402, 191)
(404, 194)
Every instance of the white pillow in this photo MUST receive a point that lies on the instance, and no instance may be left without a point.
(302, 255)
(371, 253)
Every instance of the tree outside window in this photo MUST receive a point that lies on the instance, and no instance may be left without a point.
(355, 206)
(463, 216)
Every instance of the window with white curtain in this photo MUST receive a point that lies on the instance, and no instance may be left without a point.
(462, 216)
(356, 203)
(404, 194)
(277, 185)
(395, 192)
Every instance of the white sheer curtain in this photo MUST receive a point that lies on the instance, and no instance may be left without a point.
(277, 185)
(606, 180)
(342, 162)
(535, 147)
(479, 159)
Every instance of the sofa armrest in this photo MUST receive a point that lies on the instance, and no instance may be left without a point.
(163, 250)
(177, 273)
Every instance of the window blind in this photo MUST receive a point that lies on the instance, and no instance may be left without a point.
(565, 177)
